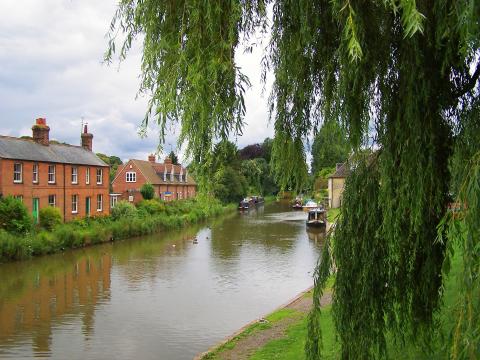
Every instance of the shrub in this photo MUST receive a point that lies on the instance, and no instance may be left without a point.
(14, 216)
(148, 191)
(50, 217)
(123, 209)
(152, 207)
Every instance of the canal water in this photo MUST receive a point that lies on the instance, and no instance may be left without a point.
(166, 296)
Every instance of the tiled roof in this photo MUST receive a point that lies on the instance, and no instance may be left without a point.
(153, 172)
(342, 171)
(26, 149)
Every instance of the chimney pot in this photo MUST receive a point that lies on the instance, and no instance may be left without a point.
(151, 158)
(168, 160)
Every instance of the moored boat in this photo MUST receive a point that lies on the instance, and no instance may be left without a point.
(297, 203)
(244, 204)
(310, 205)
(317, 217)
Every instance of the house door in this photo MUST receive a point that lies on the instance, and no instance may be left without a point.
(87, 206)
(35, 206)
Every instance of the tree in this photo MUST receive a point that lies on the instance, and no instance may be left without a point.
(173, 157)
(402, 74)
(330, 146)
(148, 191)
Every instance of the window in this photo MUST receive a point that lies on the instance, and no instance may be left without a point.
(17, 173)
(99, 202)
(99, 176)
(131, 176)
(74, 204)
(130, 198)
(51, 174)
(74, 175)
(114, 201)
(52, 200)
(87, 176)
(35, 173)
(19, 197)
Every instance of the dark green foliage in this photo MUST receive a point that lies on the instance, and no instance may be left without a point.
(50, 217)
(123, 209)
(14, 216)
(330, 147)
(148, 191)
(173, 157)
(229, 185)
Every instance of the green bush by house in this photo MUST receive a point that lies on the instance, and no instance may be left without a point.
(50, 217)
(14, 216)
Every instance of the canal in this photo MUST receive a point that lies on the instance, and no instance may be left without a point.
(166, 296)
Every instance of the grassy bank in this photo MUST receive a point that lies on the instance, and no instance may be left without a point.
(290, 343)
(147, 219)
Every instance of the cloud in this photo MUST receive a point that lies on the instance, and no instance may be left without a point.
(50, 66)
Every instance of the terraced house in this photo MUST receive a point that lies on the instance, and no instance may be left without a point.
(171, 182)
(43, 173)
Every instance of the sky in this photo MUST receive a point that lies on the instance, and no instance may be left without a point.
(51, 66)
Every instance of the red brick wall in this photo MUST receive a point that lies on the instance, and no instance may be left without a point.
(120, 186)
(43, 189)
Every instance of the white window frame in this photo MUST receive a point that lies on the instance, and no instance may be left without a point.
(100, 202)
(130, 176)
(87, 176)
(51, 174)
(114, 201)
(74, 174)
(19, 197)
(54, 203)
(17, 173)
(99, 176)
(35, 173)
(74, 204)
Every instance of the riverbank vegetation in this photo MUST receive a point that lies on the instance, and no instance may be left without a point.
(20, 239)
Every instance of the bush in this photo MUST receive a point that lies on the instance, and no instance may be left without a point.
(151, 207)
(123, 209)
(148, 191)
(14, 216)
(50, 217)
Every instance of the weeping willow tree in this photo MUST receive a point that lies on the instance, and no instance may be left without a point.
(399, 74)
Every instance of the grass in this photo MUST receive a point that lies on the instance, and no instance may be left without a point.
(332, 214)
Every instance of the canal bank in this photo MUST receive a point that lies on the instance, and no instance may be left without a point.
(169, 295)
(266, 337)
(149, 217)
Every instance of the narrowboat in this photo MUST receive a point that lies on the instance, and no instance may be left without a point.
(317, 217)
(297, 203)
(244, 204)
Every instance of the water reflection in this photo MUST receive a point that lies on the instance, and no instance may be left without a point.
(166, 296)
(34, 297)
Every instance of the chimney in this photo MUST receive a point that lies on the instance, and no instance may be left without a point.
(151, 158)
(87, 139)
(168, 160)
(40, 132)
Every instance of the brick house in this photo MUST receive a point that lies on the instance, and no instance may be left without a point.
(43, 173)
(171, 182)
